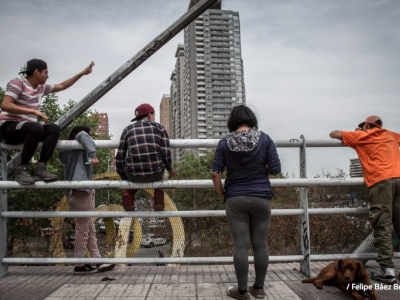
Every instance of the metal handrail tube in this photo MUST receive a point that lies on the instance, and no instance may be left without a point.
(142, 260)
(134, 214)
(185, 260)
(185, 143)
(171, 214)
(180, 184)
(337, 211)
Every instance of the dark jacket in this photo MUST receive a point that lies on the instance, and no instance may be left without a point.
(248, 156)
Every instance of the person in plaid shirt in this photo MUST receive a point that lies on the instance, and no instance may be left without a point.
(143, 155)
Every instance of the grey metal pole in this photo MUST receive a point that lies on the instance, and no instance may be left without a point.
(126, 69)
(3, 208)
(185, 143)
(305, 265)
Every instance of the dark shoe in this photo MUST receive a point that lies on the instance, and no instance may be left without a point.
(257, 293)
(41, 174)
(105, 267)
(86, 269)
(385, 275)
(23, 176)
(128, 202)
(234, 293)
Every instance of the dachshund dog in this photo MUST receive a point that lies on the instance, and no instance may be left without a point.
(348, 275)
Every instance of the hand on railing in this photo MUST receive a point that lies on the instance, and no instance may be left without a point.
(173, 174)
(95, 162)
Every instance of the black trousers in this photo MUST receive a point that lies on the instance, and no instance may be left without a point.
(30, 134)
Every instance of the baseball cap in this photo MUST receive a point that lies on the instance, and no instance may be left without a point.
(141, 110)
(374, 120)
(34, 64)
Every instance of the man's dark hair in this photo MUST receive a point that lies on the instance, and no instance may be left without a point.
(29, 73)
(241, 115)
(142, 117)
(78, 129)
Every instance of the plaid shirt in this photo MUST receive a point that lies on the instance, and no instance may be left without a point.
(144, 149)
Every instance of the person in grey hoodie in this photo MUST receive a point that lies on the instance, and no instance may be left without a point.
(78, 167)
(249, 156)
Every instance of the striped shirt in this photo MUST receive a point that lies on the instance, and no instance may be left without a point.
(26, 97)
(144, 149)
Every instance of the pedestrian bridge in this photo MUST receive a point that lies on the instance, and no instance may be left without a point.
(314, 221)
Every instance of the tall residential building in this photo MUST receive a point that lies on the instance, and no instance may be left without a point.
(355, 168)
(165, 112)
(102, 126)
(213, 81)
(177, 103)
(103, 129)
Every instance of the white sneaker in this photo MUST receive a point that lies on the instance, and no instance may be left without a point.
(385, 275)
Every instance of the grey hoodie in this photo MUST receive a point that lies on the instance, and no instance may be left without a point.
(75, 159)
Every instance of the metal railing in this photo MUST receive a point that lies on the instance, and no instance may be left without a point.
(304, 211)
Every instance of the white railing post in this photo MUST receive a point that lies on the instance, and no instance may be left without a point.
(305, 265)
(3, 208)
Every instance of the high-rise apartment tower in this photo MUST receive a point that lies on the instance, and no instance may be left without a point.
(165, 112)
(208, 78)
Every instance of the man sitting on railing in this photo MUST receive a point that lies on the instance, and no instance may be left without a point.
(143, 155)
(378, 151)
(18, 118)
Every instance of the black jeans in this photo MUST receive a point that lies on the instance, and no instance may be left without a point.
(30, 134)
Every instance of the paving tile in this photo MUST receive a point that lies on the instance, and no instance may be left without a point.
(161, 290)
(77, 291)
(211, 289)
(136, 290)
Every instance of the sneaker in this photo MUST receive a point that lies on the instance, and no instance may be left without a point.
(41, 174)
(85, 269)
(257, 293)
(385, 275)
(105, 267)
(23, 176)
(128, 202)
(233, 292)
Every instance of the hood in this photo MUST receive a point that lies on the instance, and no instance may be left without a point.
(243, 141)
(242, 144)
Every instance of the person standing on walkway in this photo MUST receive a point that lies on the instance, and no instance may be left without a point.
(78, 167)
(143, 155)
(378, 151)
(20, 110)
(249, 156)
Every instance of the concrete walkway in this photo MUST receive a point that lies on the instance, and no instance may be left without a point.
(167, 282)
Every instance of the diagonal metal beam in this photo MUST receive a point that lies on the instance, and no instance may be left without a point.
(126, 69)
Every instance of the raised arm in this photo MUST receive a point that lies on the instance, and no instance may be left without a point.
(67, 83)
(336, 134)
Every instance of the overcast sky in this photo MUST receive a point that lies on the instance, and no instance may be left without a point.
(310, 66)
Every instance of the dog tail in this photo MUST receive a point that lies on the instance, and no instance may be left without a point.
(309, 280)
